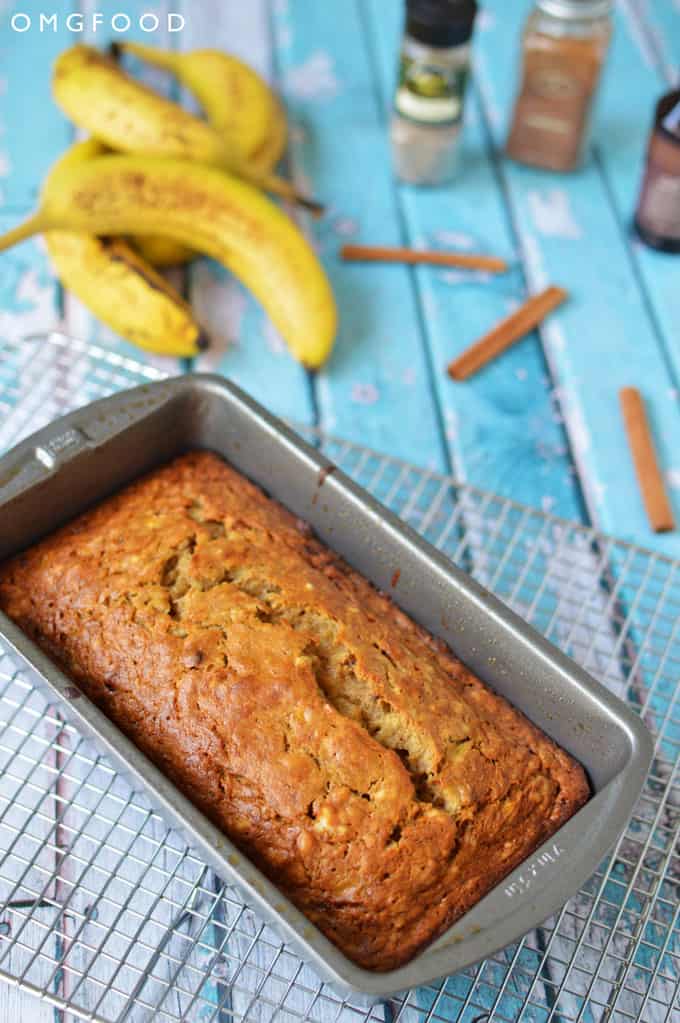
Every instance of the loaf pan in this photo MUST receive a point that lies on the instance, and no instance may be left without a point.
(87, 455)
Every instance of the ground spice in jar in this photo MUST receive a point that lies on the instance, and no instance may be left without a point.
(564, 48)
(657, 219)
(428, 104)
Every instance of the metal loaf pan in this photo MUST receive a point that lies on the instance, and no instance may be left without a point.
(87, 455)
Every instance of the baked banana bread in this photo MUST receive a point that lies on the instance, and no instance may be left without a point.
(349, 754)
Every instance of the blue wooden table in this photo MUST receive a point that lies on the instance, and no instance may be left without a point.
(541, 424)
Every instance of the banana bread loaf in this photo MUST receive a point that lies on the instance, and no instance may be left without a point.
(350, 755)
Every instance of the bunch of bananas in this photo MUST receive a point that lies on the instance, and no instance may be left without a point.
(154, 184)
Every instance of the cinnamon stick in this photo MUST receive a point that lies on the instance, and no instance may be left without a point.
(505, 333)
(641, 443)
(432, 257)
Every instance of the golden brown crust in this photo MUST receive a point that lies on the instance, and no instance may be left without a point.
(380, 784)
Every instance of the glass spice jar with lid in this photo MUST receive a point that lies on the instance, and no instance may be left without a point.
(428, 104)
(564, 48)
(657, 218)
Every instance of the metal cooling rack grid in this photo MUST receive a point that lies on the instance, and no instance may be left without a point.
(106, 913)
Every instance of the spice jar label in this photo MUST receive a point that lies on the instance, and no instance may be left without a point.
(550, 116)
(660, 205)
(562, 61)
(430, 93)
(658, 212)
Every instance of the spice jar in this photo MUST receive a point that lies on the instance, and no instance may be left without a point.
(428, 104)
(564, 48)
(657, 219)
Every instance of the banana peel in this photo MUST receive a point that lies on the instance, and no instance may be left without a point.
(118, 285)
(125, 292)
(237, 102)
(209, 211)
(128, 117)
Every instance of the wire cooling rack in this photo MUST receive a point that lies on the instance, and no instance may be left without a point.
(105, 912)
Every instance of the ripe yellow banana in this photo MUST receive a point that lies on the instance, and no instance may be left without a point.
(236, 100)
(131, 118)
(238, 104)
(118, 286)
(125, 292)
(210, 211)
(160, 252)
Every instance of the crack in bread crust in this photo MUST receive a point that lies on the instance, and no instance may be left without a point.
(381, 785)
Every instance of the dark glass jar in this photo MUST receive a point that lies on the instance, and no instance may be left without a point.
(657, 219)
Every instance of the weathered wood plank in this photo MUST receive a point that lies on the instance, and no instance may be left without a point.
(29, 297)
(501, 427)
(32, 133)
(622, 127)
(603, 338)
(376, 388)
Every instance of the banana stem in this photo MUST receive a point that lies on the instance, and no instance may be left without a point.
(313, 206)
(287, 191)
(34, 225)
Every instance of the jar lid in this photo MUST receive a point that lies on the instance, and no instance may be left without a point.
(572, 10)
(667, 115)
(440, 22)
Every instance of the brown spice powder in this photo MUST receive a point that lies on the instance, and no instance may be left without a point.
(559, 80)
